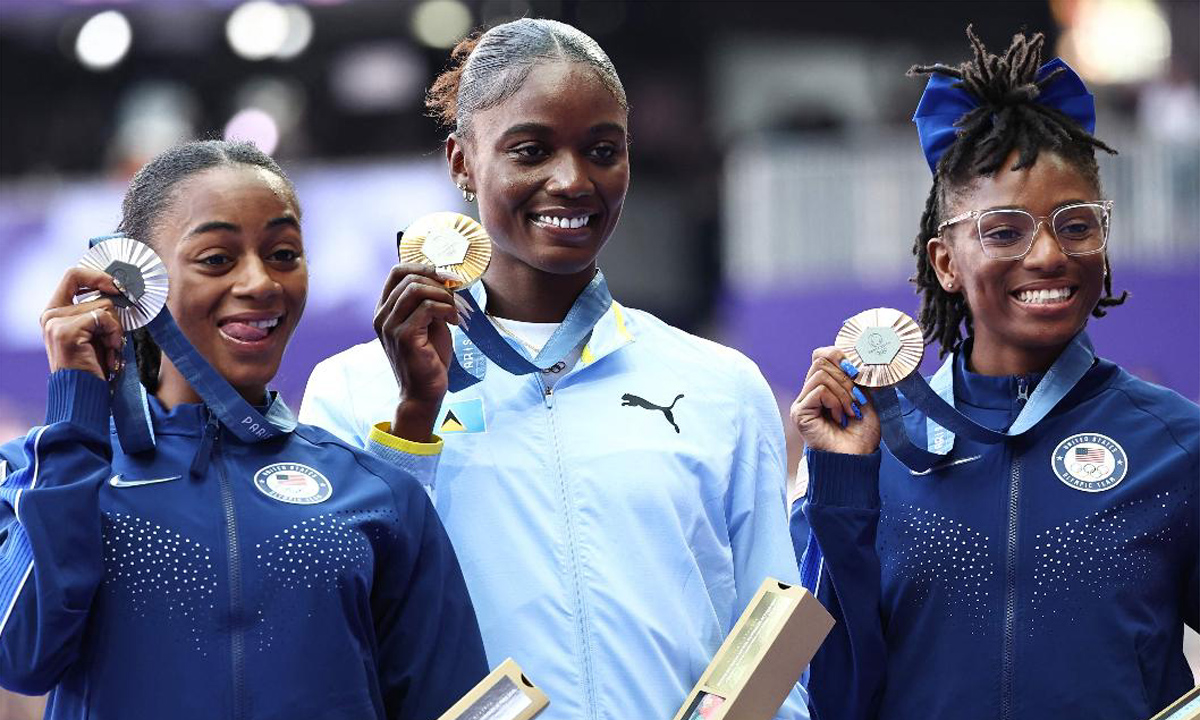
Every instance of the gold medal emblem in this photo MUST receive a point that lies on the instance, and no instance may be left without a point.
(452, 242)
(137, 272)
(884, 344)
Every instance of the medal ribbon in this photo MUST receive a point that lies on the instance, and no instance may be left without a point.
(131, 410)
(1062, 376)
(481, 339)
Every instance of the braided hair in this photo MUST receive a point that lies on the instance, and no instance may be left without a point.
(152, 193)
(1008, 119)
(486, 69)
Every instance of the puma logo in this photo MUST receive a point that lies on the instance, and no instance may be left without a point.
(628, 400)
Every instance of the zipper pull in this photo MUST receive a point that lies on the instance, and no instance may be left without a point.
(200, 461)
(1022, 388)
(548, 398)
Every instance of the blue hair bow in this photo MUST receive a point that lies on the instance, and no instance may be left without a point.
(942, 105)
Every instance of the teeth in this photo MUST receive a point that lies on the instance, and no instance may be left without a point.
(1036, 297)
(571, 223)
(263, 323)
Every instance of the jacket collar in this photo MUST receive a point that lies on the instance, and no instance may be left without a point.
(190, 418)
(610, 333)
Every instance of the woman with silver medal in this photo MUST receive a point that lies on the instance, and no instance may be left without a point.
(209, 557)
(1026, 547)
(614, 487)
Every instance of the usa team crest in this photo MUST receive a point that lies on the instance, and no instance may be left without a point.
(1090, 462)
(293, 483)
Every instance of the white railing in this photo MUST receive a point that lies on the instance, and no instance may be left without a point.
(797, 209)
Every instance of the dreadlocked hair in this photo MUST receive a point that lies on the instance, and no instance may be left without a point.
(1008, 119)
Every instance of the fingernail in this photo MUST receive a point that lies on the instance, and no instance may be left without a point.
(858, 395)
(845, 421)
(857, 412)
(849, 369)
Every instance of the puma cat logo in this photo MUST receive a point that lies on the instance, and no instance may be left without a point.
(628, 400)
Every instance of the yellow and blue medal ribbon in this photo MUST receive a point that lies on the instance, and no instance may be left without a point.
(459, 246)
(481, 339)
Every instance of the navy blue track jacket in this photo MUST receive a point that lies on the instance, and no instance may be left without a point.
(1046, 577)
(292, 578)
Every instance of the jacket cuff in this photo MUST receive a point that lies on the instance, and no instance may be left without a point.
(843, 480)
(419, 459)
(80, 398)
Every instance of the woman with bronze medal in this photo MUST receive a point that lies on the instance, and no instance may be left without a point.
(1026, 547)
(613, 486)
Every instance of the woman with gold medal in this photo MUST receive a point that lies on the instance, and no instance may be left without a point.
(1047, 570)
(614, 487)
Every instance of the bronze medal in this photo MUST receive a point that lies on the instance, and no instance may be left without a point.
(884, 344)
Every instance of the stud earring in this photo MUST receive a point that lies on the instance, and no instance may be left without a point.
(949, 285)
(467, 194)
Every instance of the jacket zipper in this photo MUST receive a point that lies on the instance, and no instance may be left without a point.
(237, 640)
(582, 622)
(1010, 572)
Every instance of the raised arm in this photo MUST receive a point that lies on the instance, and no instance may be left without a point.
(50, 540)
(837, 553)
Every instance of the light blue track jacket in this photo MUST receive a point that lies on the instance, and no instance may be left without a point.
(608, 546)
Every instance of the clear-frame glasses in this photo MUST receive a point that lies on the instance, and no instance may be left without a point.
(1007, 233)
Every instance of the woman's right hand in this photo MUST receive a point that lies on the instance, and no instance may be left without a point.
(87, 336)
(411, 322)
(824, 411)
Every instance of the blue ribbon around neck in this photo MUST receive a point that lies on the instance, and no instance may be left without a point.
(131, 410)
(944, 422)
(481, 341)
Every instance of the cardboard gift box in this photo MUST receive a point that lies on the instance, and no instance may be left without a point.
(763, 657)
(505, 694)
(1185, 708)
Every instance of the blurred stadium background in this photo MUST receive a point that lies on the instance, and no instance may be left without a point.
(777, 181)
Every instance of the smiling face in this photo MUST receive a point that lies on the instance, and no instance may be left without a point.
(550, 167)
(1023, 311)
(230, 240)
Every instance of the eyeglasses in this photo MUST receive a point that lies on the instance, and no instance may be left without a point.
(1080, 229)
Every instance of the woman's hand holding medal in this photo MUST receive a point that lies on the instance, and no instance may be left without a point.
(831, 413)
(85, 336)
(411, 321)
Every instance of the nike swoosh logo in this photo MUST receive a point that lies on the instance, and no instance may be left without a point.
(120, 482)
(943, 466)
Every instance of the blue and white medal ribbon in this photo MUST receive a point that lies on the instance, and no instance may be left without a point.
(481, 339)
(872, 341)
(459, 246)
(142, 279)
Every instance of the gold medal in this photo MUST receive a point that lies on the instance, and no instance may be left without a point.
(884, 344)
(137, 272)
(452, 242)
